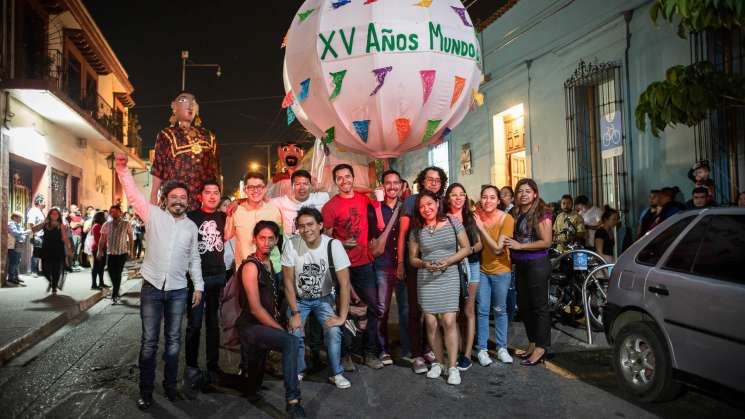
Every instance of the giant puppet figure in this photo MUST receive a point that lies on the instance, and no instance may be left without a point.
(290, 155)
(185, 151)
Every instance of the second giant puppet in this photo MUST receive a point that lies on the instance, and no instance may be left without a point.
(290, 155)
(185, 151)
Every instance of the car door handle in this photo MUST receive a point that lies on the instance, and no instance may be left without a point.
(659, 290)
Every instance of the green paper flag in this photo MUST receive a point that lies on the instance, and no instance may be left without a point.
(432, 126)
(337, 78)
(329, 137)
(304, 15)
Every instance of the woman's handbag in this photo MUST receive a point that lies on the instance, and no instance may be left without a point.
(464, 272)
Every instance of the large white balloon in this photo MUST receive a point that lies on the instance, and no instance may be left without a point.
(382, 77)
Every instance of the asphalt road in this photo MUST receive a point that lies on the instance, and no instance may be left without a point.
(89, 369)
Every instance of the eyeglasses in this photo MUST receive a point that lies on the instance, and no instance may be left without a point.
(252, 188)
(433, 180)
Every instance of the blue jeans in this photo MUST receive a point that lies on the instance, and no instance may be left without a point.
(387, 283)
(14, 259)
(213, 285)
(492, 295)
(322, 309)
(365, 284)
(155, 305)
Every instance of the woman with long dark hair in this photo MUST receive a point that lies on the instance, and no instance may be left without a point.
(605, 237)
(98, 263)
(55, 248)
(432, 250)
(529, 251)
(458, 206)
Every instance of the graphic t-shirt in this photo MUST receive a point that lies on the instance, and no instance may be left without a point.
(348, 218)
(312, 276)
(211, 230)
(289, 208)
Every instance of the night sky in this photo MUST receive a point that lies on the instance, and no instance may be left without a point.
(244, 37)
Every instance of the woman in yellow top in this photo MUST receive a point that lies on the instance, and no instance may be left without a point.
(496, 275)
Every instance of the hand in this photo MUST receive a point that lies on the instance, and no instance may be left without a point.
(478, 220)
(196, 298)
(442, 265)
(120, 160)
(295, 323)
(333, 321)
(400, 272)
(350, 243)
(233, 206)
(512, 244)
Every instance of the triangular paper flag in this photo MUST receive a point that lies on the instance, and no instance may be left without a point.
(288, 100)
(461, 11)
(478, 97)
(304, 15)
(428, 80)
(460, 82)
(304, 86)
(329, 137)
(432, 126)
(290, 115)
(380, 74)
(340, 3)
(403, 127)
(424, 3)
(362, 128)
(337, 78)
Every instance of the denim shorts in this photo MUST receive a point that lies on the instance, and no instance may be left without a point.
(475, 269)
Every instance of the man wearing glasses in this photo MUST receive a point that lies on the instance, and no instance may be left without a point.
(185, 151)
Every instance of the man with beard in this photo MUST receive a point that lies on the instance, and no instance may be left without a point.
(301, 197)
(172, 251)
(568, 226)
(185, 151)
(290, 154)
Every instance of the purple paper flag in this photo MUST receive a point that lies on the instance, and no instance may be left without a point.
(362, 128)
(290, 115)
(461, 11)
(380, 74)
(340, 3)
(304, 85)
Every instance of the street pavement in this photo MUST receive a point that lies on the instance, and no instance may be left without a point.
(89, 368)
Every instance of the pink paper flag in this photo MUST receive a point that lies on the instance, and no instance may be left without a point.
(460, 82)
(288, 100)
(428, 80)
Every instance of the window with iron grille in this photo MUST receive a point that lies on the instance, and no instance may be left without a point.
(59, 189)
(595, 92)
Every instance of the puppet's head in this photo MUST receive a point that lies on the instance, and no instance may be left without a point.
(290, 155)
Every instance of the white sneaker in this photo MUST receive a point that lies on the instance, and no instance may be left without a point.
(453, 376)
(483, 357)
(300, 377)
(435, 371)
(339, 381)
(504, 356)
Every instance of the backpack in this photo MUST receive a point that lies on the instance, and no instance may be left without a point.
(230, 308)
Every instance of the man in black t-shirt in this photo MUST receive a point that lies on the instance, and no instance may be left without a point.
(211, 226)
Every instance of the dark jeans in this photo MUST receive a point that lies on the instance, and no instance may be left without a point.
(155, 305)
(97, 271)
(387, 283)
(208, 309)
(116, 266)
(76, 241)
(365, 284)
(138, 247)
(260, 340)
(532, 294)
(14, 259)
(415, 314)
(512, 299)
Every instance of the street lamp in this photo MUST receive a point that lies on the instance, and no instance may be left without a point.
(185, 63)
(254, 166)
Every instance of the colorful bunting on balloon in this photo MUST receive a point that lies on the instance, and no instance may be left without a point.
(478, 97)
(403, 127)
(432, 126)
(446, 132)
(304, 85)
(460, 82)
(329, 136)
(290, 115)
(288, 100)
(340, 3)
(461, 11)
(304, 15)
(428, 80)
(362, 128)
(380, 74)
(369, 1)
(284, 41)
(337, 78)
(424, 3)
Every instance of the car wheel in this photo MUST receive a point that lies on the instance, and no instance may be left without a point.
(642, 363)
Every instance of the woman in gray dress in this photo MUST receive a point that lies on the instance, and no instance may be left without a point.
(434, 251)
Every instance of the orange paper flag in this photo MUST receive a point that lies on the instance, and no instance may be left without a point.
(403, 127)
(460, 82)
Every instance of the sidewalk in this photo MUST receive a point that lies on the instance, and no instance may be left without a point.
(30, 313)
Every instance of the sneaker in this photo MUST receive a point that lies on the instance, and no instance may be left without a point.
(419, 366)
(95, 288)
(435, 371)
(300, 377)
(429, 357)
(386, 359)
(339, 381)
(294, 410)
(483, 357)
(145, 401)
(504, 356)
(464, 363)
(453, 376)
(373, 362)
(348, 364)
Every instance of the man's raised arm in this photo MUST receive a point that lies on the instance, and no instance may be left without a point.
(134, 196)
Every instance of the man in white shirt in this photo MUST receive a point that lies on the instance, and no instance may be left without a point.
(301, 197)
(590, 216)
(172, 251)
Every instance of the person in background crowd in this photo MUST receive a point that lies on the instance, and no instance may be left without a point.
(35, 216)
(229, 251)
(172, 251)
(700, 174)
(437, 244)
(211, 229)
(385, 267)
(302, 196)
(435, 180)
(494, 226)
(405, 190)
(86, 238)
(259, 324)
(529, 251)
(98, 263)
(699, 199)
(649, 214)
(16, 240)
(55, 249)
(569, 227)
(138, 230)
(506, 199)
(458, 206)
(668, 205)
(590, 216)
(741, 200)
(75, 222)
(114, 244)
(310, 288)
(345, 219)
(605, 237)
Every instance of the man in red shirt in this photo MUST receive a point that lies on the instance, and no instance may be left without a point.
(345, 219)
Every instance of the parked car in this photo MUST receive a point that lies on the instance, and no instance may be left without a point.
(676, 306)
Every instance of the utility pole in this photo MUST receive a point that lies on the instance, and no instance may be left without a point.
(185, 63)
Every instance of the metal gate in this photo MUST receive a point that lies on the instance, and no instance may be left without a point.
(59, 189)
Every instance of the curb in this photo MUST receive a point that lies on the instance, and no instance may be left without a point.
(33, 337)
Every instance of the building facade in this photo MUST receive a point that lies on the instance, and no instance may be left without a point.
(65, 104)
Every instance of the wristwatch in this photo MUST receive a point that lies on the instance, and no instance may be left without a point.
(294, 312)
